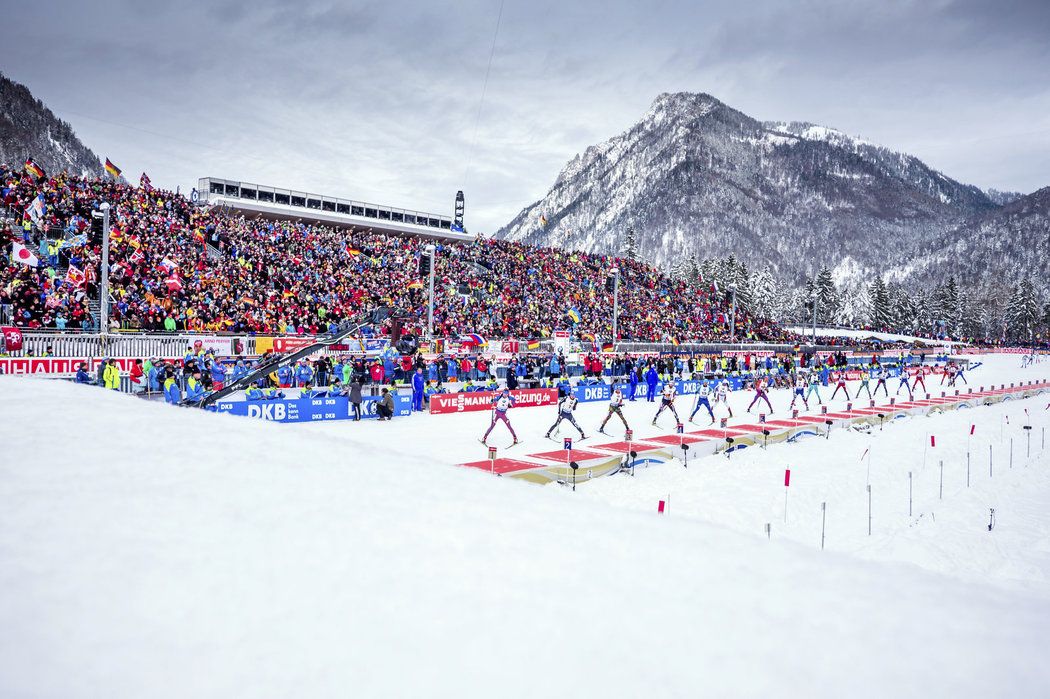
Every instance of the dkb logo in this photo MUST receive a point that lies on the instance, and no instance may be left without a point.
(274, 412)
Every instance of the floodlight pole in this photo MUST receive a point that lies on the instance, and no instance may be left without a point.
(732, 315)
(430, 303)
(104, 284)
(616, 305)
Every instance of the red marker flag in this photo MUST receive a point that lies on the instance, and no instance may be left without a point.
(787, 477)
(972, 428)
(660, 507)
(933, 441)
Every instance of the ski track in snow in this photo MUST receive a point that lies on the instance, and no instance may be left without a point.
(153, 551)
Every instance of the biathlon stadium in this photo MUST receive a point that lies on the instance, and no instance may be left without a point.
(348, 399)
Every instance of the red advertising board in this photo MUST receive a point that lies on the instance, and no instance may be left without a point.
(482, 400)
(56, 365)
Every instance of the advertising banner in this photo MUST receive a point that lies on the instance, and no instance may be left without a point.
(310, 409)
(482, 400)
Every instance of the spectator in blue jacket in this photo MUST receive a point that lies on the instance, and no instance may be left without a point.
(453, 370)
(307, 391)
(633, 383)
(554, 367)
(417, 389)
(284, 376)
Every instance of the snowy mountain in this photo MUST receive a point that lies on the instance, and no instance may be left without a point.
(29, 129)
(697, 177)
(1002, 247)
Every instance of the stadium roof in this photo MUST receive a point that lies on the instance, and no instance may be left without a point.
(276, 202)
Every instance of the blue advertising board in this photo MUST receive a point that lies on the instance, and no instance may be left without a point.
(590, 393)
(310, 409)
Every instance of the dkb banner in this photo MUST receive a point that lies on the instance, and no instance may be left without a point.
(309, 409)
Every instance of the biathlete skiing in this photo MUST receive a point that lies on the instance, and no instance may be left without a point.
(760, 394)
(703, 400)
(722, 395)
(800, 391)
(615, 408)
(565, 407)
(905, 382)
(814, 387)
(840, 385)
(865, 383)
(500, 405)
(667, 401)
(884, 375)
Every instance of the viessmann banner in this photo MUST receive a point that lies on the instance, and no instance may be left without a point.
(482, 400)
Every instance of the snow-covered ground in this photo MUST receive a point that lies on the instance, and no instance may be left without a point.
(805, 330)
(152, 551)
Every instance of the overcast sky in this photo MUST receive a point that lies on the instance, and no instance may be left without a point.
(382, 101)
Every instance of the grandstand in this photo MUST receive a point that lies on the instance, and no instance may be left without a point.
(275, 202)
(302, 265)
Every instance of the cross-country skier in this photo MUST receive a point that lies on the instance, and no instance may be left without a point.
(959, 375)
(884, 376)
(667, 401)
(800, 391)
(500, 405)
(722, 395)
(565, 407)
(703, 400)
(814, 387)
(760, 394)
(840, 384)
(953, 373)
(615, 408)
(865, 383)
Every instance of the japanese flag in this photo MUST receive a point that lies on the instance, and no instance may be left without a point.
(19, 253)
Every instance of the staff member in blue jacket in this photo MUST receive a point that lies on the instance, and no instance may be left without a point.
(172, 392)
(82, 375)
(194, 387)
(284, 376)
(304, 374)
(633, 375)
(418, 384)
(651, 378)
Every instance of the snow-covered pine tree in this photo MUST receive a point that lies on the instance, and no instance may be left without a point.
(694, 270)
(881, 314)
(970, 325)
(762, 290)
(630, 245)
(944, 305)
(828, 296)
(1023, 311)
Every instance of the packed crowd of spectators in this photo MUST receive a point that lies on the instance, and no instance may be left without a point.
(176, 266)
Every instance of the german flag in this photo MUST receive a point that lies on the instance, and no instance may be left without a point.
(587, 336)
(675, 342)
(607, 347)
(533, 344)
(287, 295)
(34, 169)
(112, 169)
(354, 251)
(417, 284)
